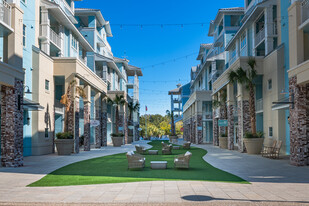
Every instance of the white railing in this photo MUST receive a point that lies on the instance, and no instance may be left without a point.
(59, 108)
(260, 36)
(305, 10)
(243, 51)
(259, 105)
(64, 6)
(232, 60)
(54, 37)
(207, 116)
(5, 12)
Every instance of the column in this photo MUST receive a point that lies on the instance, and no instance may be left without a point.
(244, 122)
(12, 125)
(76, 121)
(104, 123)
(215, 125)
(87, 110)
(45, 30)
(230, 116)
(299, 123)
(62, 36)
(199, 123)
(98, 113)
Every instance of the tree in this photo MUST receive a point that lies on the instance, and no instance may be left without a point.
(133, 108)
(117, 101)
(68, 98)
(171, 114)
(246, 78)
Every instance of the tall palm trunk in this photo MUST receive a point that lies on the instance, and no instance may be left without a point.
(117, 120)
(252, 108)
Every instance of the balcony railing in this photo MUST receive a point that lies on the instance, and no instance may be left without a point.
(5, 12)
(64, 6)
(305, 11)
(207, 116)
(59, 108)
(259, 105)
(260, 36)
(54, 37)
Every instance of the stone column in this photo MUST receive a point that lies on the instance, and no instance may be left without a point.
(244, 123)
(98, 113)
(104, 123)
(215, 130)
(76, 118)
(45, 30)
(199, 133)
(230, 116)
(299, 123)
(12, 125)
(87, 110)
(122, 124)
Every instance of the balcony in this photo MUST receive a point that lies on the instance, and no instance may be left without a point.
(52, 36)
(100, 39)
(64, 6)
(259, 37)
(130, 84)
(177, 100)
(207, 116)
(5, 18)
(59, 108)
(304, 11)
(259, 106)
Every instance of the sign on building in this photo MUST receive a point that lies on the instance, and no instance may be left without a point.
(222, 123)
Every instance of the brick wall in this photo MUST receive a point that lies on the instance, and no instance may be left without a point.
(87, 126)
(230, 133)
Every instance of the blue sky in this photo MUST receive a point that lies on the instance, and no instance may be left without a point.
(154, 44)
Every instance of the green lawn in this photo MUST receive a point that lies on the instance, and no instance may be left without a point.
(114, 169)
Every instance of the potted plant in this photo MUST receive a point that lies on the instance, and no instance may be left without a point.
(223, 141)
(132, 108)
(117, 139)
(64, 143)
(254, 142)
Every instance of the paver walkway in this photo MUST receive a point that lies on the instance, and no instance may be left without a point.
(273, 183)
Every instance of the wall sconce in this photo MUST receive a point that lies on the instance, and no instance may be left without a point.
(28, 90)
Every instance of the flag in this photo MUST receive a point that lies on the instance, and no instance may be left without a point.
(146, 108)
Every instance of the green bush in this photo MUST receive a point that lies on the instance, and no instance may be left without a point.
(117, 135)
(64, 135)
(250, 135)
(223, 135)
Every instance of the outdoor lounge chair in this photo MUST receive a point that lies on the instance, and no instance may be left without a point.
(186, 145)
(167, 149)
(276, 151)
(267, 150)
(164, 145)
(140, 149)
(183, 160)
(135, 161)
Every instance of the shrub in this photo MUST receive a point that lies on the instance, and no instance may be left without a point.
(64, 135)
(250, 135)
(117, 135)
(223, 135)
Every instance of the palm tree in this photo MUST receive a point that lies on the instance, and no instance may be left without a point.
(171, 114)
(117, 101)
(221, 103)
(246, 78)
(133, 108)
(68, 98)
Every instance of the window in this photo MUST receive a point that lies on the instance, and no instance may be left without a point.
(270, 131)
(24, 35)
(46, 85)
(74, 42)
(270, 84)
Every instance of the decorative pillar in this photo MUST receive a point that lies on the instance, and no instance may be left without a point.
(122, 124)
(76, 118)
(104, 123)
(12, 125)
(299, 123)
(87, 110)
(98, 113)
(244, 123)
(199, 133)
(215, 130)
(230, 116)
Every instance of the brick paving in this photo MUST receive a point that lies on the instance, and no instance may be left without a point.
(274, 182)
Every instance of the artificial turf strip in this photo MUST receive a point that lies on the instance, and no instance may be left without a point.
(114, 169)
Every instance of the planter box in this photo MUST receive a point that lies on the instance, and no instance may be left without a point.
(223, 142)
(117, 141)
(130, 139)
(64, 146)
(254, 145)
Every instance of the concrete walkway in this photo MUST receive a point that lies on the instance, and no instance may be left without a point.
(274, 182)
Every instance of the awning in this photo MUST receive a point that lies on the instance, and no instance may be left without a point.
(282, 104)
(31, 105)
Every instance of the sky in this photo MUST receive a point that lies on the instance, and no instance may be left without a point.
(165, 53)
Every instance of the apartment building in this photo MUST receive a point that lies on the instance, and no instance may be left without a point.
(263, 35)
(47, 46)
(198, 117)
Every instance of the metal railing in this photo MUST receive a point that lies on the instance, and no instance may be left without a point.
(64, 6)
(5, 12)
(259, 37)
(207, 116)
(259, 105)
(305, 10)
(59, 108)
